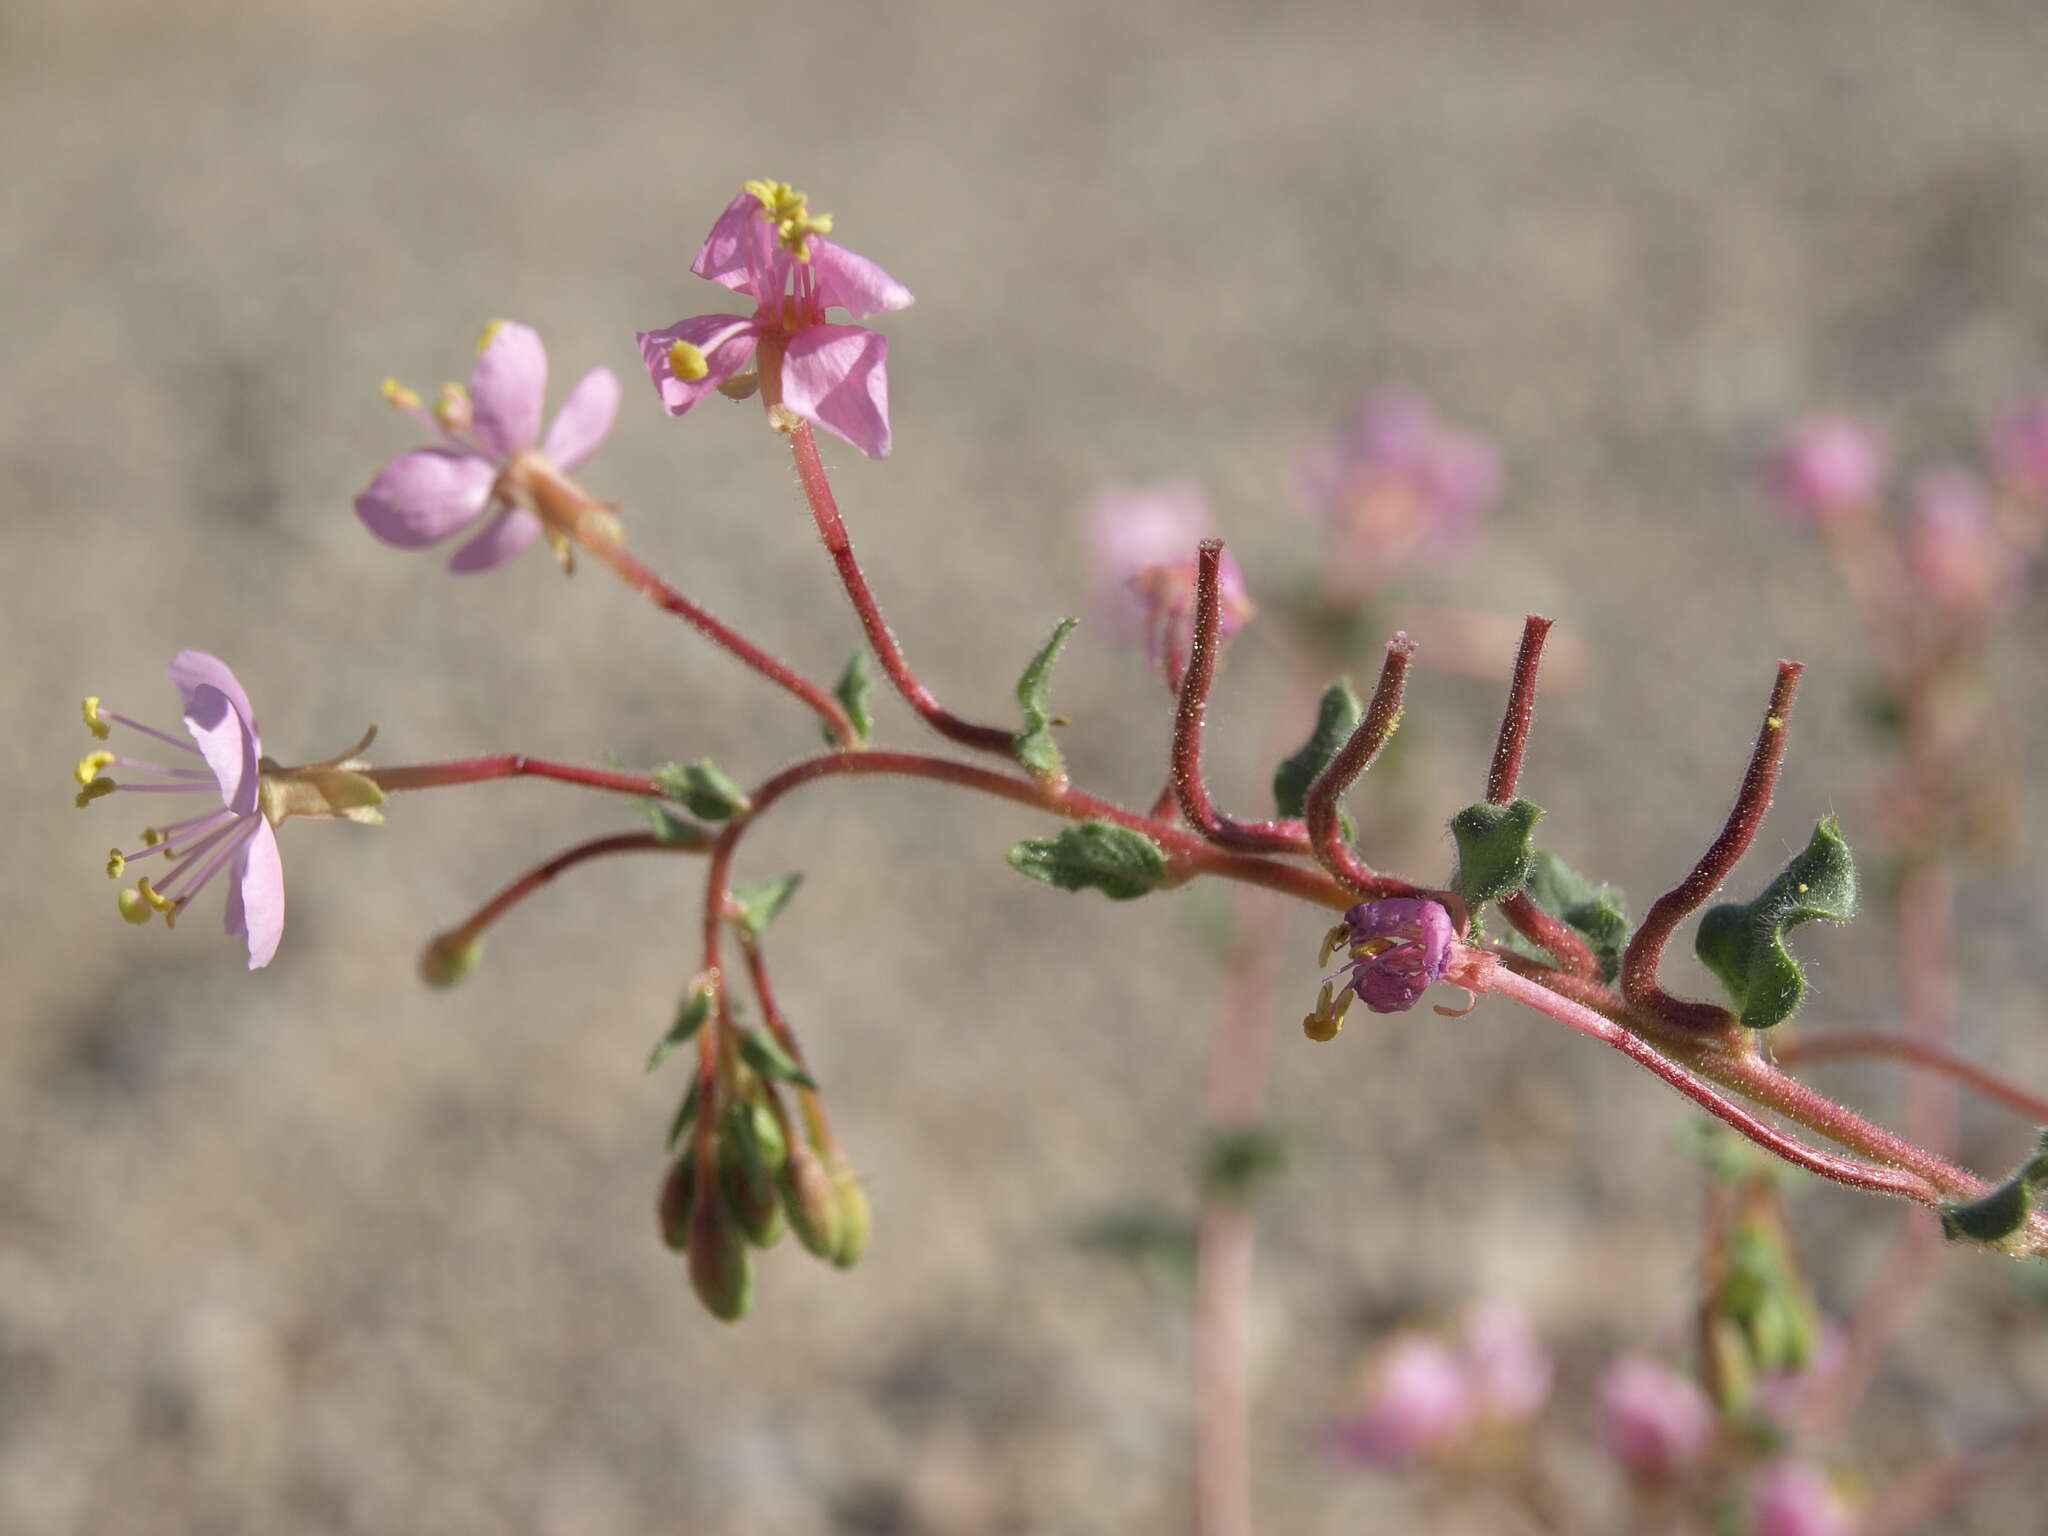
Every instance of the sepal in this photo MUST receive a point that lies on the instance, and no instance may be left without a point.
(1745, 945)
(1034, 746)
(1494, 851)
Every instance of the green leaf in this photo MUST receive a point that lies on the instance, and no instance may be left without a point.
(1156, 1240)
(1994, 1217)
(1745, 945)
(760, 904)
(1237, 1160)
(673, 831)
(1337, 716)
(1094, 855)
(694, 1009)
(704, 789)
(1598, 912)
(1494, 853)
(855, 687)
(686, 1113)
(766, 1056)
(1034, 746)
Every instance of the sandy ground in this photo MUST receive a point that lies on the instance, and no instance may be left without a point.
(318, 1251)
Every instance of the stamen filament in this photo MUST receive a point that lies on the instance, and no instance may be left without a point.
(236, 835)
(149, 730)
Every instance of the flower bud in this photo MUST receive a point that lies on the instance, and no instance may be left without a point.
(1507, 1366)
(812, 1202)
(1827, 467)
(449, 958)
(1795, 1498)
(678, 1194)
(721, 1263)
(1653, 1421)
(1421, 1402)
(854, 1217)
(748, 1183)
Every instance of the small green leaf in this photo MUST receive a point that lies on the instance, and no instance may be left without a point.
(686, 1113)
(766, 1056)
(760, 904)
(1745, 945)
(1094, 855)
(704, 789)
(1337, 716)
(1494, 853)
(1991, 1219)
(1598, 912)
(855, 687)
(1034, 746)
(690, 1016)
(673, 831)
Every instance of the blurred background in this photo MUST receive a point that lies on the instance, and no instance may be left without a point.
(317, 1250)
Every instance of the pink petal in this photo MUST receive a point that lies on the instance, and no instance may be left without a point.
(727, 341)
(503, 537)
(585, 419)
(228, 743)
(854, 283)
(256, 895)
(739, 251)
(421, 497)
(837, 375)
(193, 670)
(508, 387)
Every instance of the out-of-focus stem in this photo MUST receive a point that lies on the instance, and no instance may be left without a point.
(1849, 1044)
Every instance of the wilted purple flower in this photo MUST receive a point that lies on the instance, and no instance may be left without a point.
(1394, 482)
(1653, 1421)
(2019, 448)
(1143, 541)
(1827, 467)
(769, 246)
(1398, 947)
(487, 459)
(1508, 1367)
(224, 758)
(1420, 1402)
(1795, 1498)
(1955, 555)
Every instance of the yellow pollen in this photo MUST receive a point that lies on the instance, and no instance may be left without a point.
(93, 722)
(488, 335)
(789, 211)
(133, 907)
(115, 864)
(686, 361)
(1774, 723)
(401, 397)
(92, 792)
(1373, 948)
(151, 837)
(156, 899)
(89, 766)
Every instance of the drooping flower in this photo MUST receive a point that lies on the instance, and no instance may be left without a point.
(1420, 1402)
(1654, 1422)
(1398, 947)
(224, 758)
(769, 247)
(491, 465)
(1507, 1364)
(1827, 467)
(1143, 541)
(1796, 1498)
(1394, 483)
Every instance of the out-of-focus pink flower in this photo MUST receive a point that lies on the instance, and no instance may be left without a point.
(1955, 555)
(1508, 1367)
(770, 247)
(2019, 448)
(224, 758)
(1786, 1398)
(1142, 542)
(1394, 483)
(1827, 467)
(1796, 1498)
(1653, 1421)
(487, 460)
(1420, 1402)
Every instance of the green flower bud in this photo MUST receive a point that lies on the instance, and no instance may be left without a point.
(678, 1194)
(854, 1218)
(449, 958)
(721, 1263)
(747, 1181)
(812, 1203)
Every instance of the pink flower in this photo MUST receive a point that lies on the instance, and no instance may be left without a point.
(769, 246)
(1509, 1369)
(1394, 483)
(1143, 540)
(2019, 448)
(1420, 1403)
(1827, 467)
(225, 757)
(1653, 1421)
(1795, 1498)
(487, 460)
(1954, 554)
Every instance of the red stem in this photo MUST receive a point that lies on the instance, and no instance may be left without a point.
(542, 874)
(511, 765)
(832, 529)
(1325, 831)
(1909, 1503)
(1251, 836)
(1513, 740)
(1553, 934)
(1917, 1053)
(1646, 949)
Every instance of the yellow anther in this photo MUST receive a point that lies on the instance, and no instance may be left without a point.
(452, 408)
(89, 766)
(488, 335)
(789, 211)
(1371, 949)
(93, 722)
(151, 837)
(115, 864)
(403, 398)
(133, 907)
(92, 792)
(156, 899)
(1332, 942)
(1328, 1017)
(686, 361)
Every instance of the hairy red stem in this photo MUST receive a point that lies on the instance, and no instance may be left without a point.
(1513, 740)
(1917, 1053)
(1320, 807)
(511, 765)
(545, 872)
